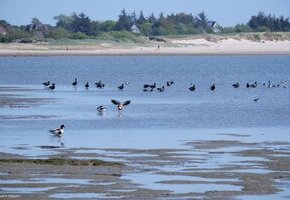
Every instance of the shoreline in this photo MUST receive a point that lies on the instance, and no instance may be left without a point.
(176, 47)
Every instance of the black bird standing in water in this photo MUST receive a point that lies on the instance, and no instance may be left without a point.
(75, 82)
(87, 85)
(212, 88)
(45, 84)
(121, 87)
(52, 86)
(192, 88)
(257, 99)
(236, 85)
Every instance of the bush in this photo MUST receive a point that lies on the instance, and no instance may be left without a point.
(78, 36)
(59, 33)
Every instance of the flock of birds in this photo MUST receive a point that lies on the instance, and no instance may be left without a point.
(149, 88)
(152, 87)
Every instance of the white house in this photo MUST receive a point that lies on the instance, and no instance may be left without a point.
(134, 29)
(214, 26)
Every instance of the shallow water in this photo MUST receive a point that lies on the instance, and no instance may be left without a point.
(153, 120)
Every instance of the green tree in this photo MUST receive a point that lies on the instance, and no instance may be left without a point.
(141, 19)
(64, 21)
(107, 26)
(152, 19)
(35, 21)
(202, 20)
(146, 28)
(82, 23)
(125, 22)
(4, 23)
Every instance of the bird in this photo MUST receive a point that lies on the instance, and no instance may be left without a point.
(169, 83)
(212, 88)
(52, 86)
(161, 89)
(236, 85)
(87, 85)
(120, 105)
(192, 88)
(75, 82)
(257, 99)
(100, 84)
(147, 90)
(101, 108)
(146, 86)
(153, 86)
(254, 85)
(121, 87)
(45, 84)
(57, 131)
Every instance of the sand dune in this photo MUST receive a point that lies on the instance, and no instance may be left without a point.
(182, 46)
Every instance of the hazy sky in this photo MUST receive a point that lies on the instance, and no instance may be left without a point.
(226, 12)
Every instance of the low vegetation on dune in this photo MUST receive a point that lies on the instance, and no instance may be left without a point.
(133, 28)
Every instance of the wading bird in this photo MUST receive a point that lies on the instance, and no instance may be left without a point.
(57, 131)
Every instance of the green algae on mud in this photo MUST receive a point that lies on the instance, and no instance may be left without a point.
(62, 161)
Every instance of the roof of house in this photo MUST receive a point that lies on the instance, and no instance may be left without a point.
(134, 29)
(3, 30)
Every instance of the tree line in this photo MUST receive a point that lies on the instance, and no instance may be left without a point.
(80, 26)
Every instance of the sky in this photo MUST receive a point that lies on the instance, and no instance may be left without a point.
(225, 12)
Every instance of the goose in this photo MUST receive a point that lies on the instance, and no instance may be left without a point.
(75, 82)
(101, 109)
(45, 84)
(87, 85)
(212, 88)
(236, 85)
(169, 83)
(254, 85)
(146, 86)
(57, 131)
(52, 86)
(120, 105)
(161, 89)
(100, 84)
(192, 88)
(153, 86)
(121, 87)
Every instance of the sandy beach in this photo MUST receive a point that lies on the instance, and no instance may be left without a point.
(173, 46)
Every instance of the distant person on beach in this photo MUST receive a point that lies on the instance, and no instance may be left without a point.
(158, 47)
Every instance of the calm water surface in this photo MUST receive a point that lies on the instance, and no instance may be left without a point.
(153, 120)
(166, 114)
